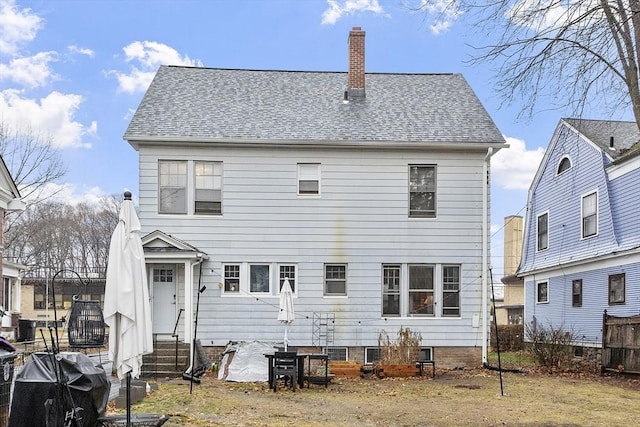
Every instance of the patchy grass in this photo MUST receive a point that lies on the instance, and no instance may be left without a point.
(453, 398)
(512, 359)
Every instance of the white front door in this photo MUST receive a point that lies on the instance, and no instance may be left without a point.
(164, 300)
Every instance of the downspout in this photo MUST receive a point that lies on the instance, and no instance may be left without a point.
(485, 253)
(189, 319)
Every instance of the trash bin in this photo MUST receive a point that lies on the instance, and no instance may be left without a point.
(6, 377)
(26, 330)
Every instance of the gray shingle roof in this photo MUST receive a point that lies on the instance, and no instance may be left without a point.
(212, 104)
(625, 134)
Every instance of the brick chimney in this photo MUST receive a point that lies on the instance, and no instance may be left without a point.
(355, 84)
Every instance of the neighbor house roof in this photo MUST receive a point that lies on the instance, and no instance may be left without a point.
(614, 137)
(209, 104)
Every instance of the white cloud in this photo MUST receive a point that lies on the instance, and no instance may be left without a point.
(444, 13)
(69, 193)
(146, 57)
(513, 168)
(32, 71)
(81, 51)
(17, 26)
(52, 115)
(339, 9)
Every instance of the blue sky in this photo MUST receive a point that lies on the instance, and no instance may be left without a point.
(76, 70)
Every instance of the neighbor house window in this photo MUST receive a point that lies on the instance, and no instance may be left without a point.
(564, 165)
(543, 232)
(208, 188)
(308, 178)
(422, 191)
(576, 293)
(172, 193)
(232, 278)
(616, 289)
(288, 272)
(451, 290)
(421, 290)
(335, 279)
(391, 290)
(542, 292)
(259, 278)
(590, 215)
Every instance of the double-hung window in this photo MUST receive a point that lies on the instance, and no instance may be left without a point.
(421, 290)
(451, 290)
(590, 215)
(391, 290)
(422, 191)
(543, 232)
(288, 272)
(172, 192)
(542, 292)
(576, 293)
(309, 179)
(335, 279)
(232, 278)
(617, 289)
(208, 188)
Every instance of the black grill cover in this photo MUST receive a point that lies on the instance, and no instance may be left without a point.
(40, 397)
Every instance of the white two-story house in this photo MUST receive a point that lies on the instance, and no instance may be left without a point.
(369, 192)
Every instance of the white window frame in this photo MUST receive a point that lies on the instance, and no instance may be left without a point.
(250, 282)
(368, 358)
(309, 172)
(538, 236)
(207, 186)
(558, 171)
(430, 293)
(386, 291)
(537, 296)
(172, 181)
(451, 291)
(583, 218)
(293, 281)
(426, 188)
(226, 286)
(327, 280)
(623, 283)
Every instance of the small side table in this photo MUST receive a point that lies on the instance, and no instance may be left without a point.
(420, 364)
(318, 356)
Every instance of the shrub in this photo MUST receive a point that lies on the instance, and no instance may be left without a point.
(511, 337)
(551, 347)
(405, 350)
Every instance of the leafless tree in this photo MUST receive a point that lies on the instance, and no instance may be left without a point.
(556, 53)
(52, 236)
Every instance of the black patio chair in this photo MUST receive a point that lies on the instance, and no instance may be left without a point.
(285, 364)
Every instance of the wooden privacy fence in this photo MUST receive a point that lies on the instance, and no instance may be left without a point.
(621, 343)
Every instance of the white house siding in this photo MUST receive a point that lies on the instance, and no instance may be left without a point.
(360, 218)
(561, 196)
(585, 322)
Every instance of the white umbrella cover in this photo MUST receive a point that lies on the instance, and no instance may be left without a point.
(287, 312)
(127, 310)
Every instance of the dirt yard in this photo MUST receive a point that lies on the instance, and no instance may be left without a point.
(454, 398)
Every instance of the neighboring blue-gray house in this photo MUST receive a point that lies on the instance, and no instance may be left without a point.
(372, 199)
(581, 250)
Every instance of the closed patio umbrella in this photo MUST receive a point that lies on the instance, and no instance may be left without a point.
(287, 312)
(126, 302)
